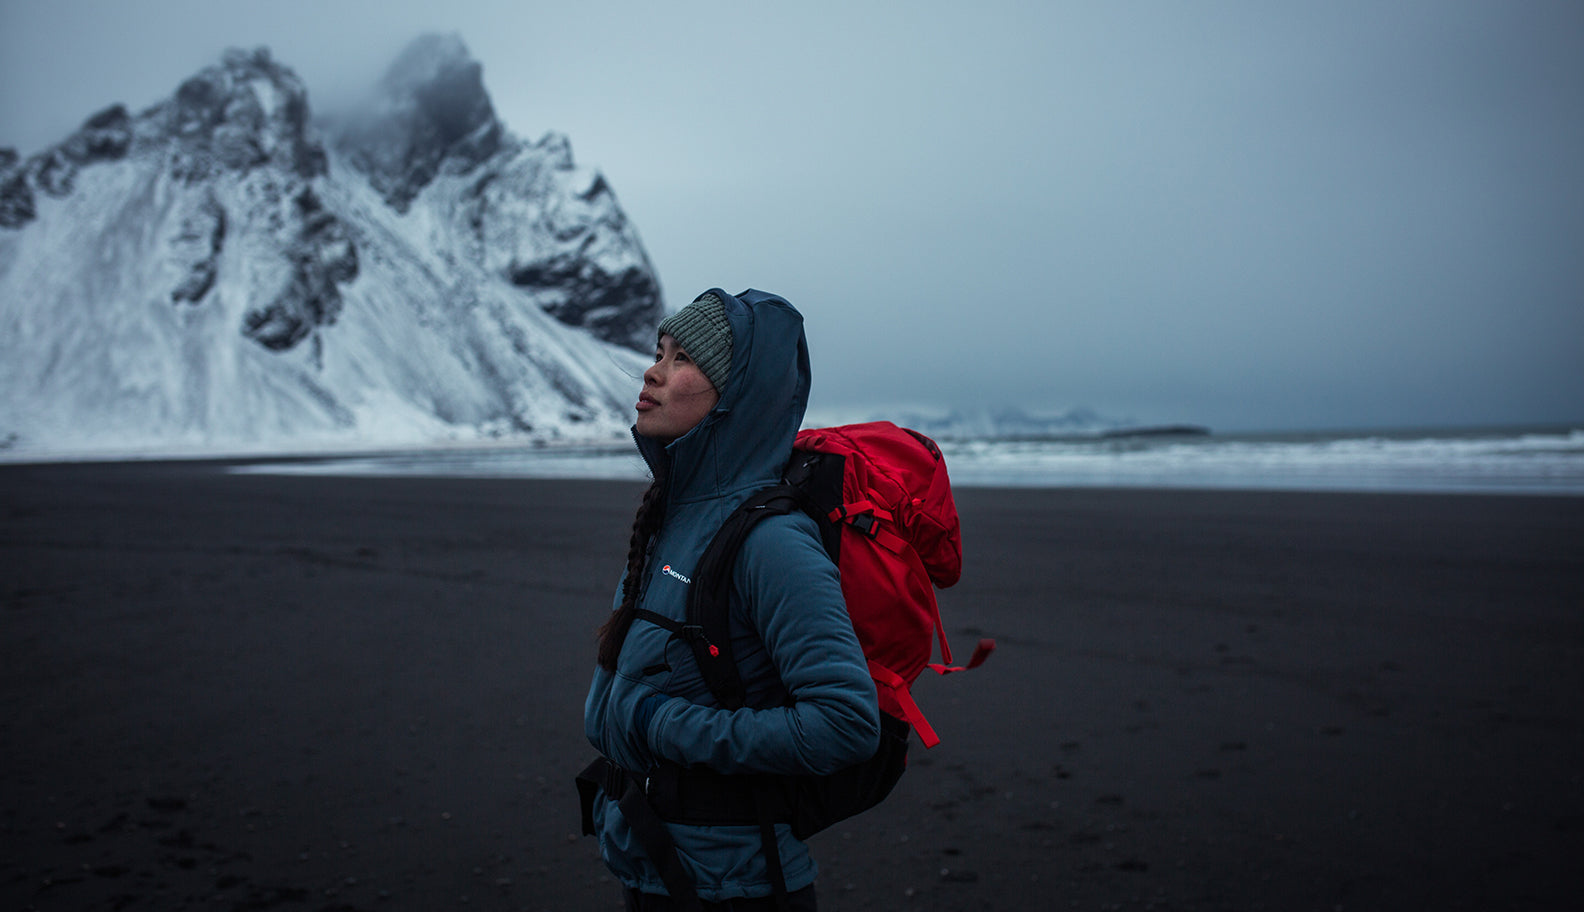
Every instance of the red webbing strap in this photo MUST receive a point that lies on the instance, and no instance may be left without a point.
(849, 513)
(848, 510)
(910, 710)
(980, 653)
(889, 540)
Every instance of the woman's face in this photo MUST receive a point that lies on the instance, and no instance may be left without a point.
(676, 395)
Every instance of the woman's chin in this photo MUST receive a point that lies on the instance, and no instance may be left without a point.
(646, 426)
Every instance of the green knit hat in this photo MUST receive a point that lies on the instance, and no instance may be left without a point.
(702, 331)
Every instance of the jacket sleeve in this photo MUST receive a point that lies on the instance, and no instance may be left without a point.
(794, 598)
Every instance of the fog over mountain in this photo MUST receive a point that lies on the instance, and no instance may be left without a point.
(222, 272)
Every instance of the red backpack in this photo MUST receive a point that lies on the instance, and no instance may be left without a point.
(883, 501)
(898, 535)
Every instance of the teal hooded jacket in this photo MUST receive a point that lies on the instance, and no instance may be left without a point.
(811, 705)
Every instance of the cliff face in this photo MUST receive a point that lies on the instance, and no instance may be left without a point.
(218, 271)
(429, 111)
(530, 215)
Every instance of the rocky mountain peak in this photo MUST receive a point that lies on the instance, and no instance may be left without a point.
(243, 112)
(430, 113)
(105, 136)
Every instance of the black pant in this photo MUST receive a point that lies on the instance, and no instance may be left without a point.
(798, 901)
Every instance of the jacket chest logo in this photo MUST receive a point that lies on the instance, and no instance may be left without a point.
(675, 575)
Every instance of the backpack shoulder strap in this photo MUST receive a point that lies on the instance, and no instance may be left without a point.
(817, 480)
(812, 484)
(708, 629)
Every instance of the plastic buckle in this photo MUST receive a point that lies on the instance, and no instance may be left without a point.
(694, 634)
(865, 523)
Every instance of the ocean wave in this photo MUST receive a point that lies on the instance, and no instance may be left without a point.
(1539, 461)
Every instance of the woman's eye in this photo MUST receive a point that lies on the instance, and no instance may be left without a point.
(682, 356)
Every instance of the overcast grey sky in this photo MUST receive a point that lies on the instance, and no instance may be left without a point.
(1253, 215)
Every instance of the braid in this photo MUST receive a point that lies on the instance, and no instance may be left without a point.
(645, 524)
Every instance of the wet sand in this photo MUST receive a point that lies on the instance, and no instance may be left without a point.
(253, 692)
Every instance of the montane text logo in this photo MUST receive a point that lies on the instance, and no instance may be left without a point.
(675, 575)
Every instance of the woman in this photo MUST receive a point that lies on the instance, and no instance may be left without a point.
(716, 419)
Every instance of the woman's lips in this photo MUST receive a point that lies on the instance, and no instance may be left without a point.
(646, 402)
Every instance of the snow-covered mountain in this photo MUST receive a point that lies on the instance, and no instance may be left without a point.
(221, 273)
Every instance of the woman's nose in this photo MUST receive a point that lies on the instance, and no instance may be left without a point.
(652, 375)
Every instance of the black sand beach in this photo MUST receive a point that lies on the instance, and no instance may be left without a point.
(294, 693)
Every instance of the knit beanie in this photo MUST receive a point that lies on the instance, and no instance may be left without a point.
(702, 331)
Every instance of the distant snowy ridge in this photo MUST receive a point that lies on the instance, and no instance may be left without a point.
(220, 274)
(978, 424)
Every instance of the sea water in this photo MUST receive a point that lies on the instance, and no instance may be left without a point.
(1541, 461)
(1548, 460)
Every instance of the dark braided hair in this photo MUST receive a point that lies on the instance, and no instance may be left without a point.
(645, 524)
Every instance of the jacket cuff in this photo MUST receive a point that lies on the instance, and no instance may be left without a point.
(644, 718)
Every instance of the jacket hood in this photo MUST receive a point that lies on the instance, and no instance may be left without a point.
(743, 444)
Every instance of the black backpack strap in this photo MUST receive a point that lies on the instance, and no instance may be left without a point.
(772, 850)
(709, 612)
(601, 775)
(657, 844)
(630, 793)
(688, 633)
(708, 608)
(812, 484)
(817, 478)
